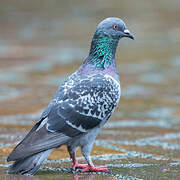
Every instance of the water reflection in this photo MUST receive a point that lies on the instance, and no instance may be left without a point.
(19, 177)
(60, 177)
(86, 177)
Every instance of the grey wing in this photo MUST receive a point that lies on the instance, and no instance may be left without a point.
(37, 141)
(82, 108)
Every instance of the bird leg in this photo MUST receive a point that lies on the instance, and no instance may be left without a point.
(72, 153)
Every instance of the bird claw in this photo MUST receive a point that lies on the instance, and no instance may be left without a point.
(81, 166)
(97, 169)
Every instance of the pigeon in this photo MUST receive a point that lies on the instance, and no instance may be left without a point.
(81, 106)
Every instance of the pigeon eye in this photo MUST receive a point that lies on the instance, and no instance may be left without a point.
(115, 27)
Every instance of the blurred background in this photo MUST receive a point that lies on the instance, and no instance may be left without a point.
(42, 42)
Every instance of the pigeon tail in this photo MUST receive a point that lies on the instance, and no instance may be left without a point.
(36, 141)
(29, 165)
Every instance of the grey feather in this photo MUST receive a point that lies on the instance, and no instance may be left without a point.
(29, 165)
(37, 141)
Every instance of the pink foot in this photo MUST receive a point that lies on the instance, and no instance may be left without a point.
(92, 168)
(81, 166)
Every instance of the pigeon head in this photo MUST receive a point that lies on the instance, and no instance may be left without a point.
(113, 28)
(105, 41)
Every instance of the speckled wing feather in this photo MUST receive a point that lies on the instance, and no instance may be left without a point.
(80, 104)
(88, 100)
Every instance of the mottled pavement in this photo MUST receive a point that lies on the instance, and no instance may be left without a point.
(40, 45)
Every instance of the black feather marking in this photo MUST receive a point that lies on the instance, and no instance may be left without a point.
(58, 120)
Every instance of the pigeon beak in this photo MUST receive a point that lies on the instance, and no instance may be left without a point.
(128, 34)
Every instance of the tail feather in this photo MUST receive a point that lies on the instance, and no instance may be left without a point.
(37, 141)
(29, 165)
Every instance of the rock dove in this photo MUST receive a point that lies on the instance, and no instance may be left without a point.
(80, 108)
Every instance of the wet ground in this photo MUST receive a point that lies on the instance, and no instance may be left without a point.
(42, 42)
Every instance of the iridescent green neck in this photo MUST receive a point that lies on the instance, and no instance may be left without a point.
(102, 51)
